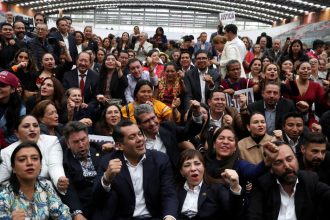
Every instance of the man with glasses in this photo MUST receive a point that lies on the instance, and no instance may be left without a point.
(200, 81)
(41, 45)
(165, 136)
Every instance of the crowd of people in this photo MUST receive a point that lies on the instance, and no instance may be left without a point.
(179, 149)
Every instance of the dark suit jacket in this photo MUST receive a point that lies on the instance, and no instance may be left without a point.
(171, 135)
(322, 171)
(271, 53)
(71, 79)
(117, 86)
(72, 45)
(193, 86)
(265, 200)
(214, 200)
(80, 192)
(283, 106)
(159, 193)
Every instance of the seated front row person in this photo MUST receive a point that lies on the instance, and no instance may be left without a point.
(25, 196)
(287, 192)
(80, 160)
(27, 129)
(200, 197)
(139, 181)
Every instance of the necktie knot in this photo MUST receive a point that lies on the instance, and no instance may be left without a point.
(82, 75)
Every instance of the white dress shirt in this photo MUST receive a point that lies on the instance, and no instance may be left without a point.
(66, 40)
(203, 84)
(190, 204)
(155, 144)
(287, 209)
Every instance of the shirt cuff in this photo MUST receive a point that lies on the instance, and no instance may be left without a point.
(169, 216)
(76, 212)
(106, 187)
(236, 193)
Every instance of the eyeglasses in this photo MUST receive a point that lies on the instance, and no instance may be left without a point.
(201, 58)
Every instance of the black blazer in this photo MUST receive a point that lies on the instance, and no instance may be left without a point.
(117, 86)
(265, 200)
(80, 192)
(283, 106)
(159, 193)
(214, 200)
(172, 134)
(72, 45)
(71, 79)
(193, 86)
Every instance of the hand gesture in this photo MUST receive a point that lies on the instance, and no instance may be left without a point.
(118, 65)
(86, 121)
(70, 105)
(316, 128)
(18, 214)
(62, 183)
(180, 74)
(62, 44)
(242, 101)
(270, 153)
(176, 102)
(114, 167)
(12, 42)
(229, 91)
(208, 80)
(195, 107)
(227, 120)
(231, 177)
(79, 217)
(101, 98)
(302, 106)
(108, 147)
(278, 135)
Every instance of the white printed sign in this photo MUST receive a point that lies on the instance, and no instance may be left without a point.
(227, 17)
(233, 101)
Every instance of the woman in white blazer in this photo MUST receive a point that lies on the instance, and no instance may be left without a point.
(27, 130)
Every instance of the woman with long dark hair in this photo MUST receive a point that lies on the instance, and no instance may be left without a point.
(159, 39)
(112, 81)
(11, 107)
(24, 67)
(25, 196)
(296, 52)
(123, 43)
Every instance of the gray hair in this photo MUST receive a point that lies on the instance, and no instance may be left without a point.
(142, 109)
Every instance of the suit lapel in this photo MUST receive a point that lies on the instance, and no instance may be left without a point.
(125, 173)
(299, 200)
(197, 82)
(202, 195)
(147, 171)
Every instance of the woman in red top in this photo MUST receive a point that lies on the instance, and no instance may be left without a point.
(309, 91)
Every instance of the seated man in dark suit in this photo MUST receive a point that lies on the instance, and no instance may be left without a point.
(140, 180)
(286, 192)
(80, 161)
(200, 81)
(272, 106)
(314, 156)
(165, 136)
(84, 78)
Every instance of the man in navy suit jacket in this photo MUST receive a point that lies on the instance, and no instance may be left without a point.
(80, 161)
(72, 78)
(139, 180)
(63, 35)
(200, 81)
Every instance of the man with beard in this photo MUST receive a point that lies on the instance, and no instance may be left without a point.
(20, 34)
(272, 106)
(200, 81)
(286, 193)
(315, 156)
